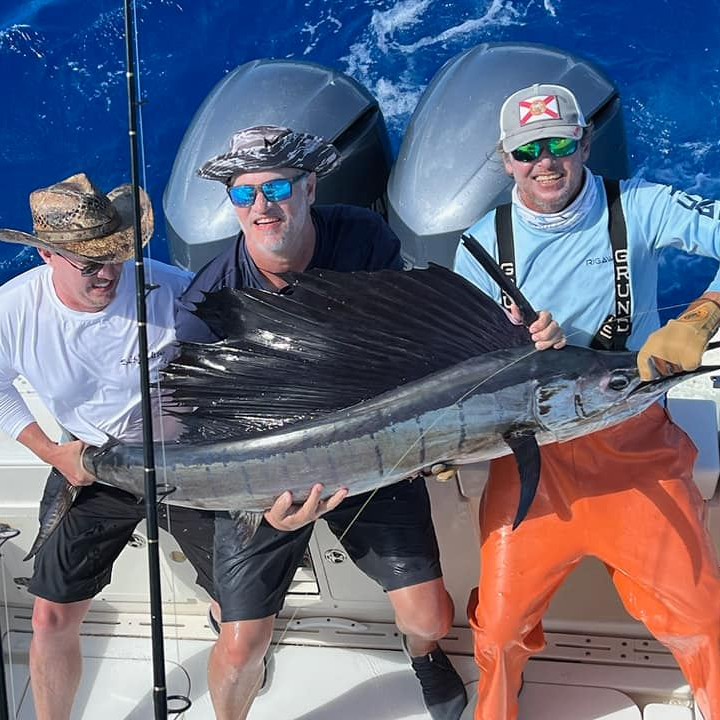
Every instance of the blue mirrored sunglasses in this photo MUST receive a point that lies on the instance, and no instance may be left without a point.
(557, 147)
(87, 270)
(274, 191)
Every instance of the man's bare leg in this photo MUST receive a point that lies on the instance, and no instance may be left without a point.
(423, 613)
(55, 662)
(236, 666)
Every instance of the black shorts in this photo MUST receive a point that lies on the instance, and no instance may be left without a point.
(76, 561)
(392, 541)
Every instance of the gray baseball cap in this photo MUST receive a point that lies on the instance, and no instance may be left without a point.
(271, 147)
(537, 112)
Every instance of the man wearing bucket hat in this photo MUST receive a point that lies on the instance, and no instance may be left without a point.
(69, 327)
(270, 174)
(624, 494)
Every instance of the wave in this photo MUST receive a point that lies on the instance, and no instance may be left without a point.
(399, 45)
(500, 13)
(21, 39)
(62, 63)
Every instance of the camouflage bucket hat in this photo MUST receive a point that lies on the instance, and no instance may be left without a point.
(271, 147)
(74, 217)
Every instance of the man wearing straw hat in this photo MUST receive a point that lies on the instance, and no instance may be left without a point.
(69, 327)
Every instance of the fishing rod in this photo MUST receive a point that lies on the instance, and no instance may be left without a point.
(158, 650)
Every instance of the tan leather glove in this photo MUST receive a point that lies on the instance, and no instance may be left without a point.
(681, 343)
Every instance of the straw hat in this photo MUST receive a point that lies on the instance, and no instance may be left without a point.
(74, 217)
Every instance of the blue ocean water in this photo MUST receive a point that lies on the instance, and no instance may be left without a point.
(63, 79)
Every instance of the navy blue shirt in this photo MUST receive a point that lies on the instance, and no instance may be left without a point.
(347, 238)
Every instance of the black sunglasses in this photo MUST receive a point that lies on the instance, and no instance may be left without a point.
(88, 269)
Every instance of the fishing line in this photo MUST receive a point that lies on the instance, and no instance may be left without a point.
(431, 426)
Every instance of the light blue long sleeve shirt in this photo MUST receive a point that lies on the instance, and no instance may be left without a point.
(571, 273)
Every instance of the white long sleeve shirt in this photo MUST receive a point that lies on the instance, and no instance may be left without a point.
(84, 366)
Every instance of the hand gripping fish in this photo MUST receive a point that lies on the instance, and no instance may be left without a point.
(361, 380)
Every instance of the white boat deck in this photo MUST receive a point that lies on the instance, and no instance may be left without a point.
(312, 678)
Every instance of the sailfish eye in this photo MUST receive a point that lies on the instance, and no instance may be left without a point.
(618, 381)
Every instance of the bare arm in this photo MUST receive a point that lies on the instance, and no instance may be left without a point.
(66, 457)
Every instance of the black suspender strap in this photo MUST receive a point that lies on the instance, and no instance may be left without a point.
(615, 329)
(506, 246)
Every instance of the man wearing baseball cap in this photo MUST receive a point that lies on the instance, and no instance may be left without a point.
(270, 174)
(588, 249)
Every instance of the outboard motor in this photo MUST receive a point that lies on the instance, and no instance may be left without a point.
(301, 95)
(448, 174)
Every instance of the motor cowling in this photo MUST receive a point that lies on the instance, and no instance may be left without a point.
(301, 95)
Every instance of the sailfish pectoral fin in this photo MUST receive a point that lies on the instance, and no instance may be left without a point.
(527, 456)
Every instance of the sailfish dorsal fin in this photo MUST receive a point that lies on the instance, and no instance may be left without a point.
(329, 341)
